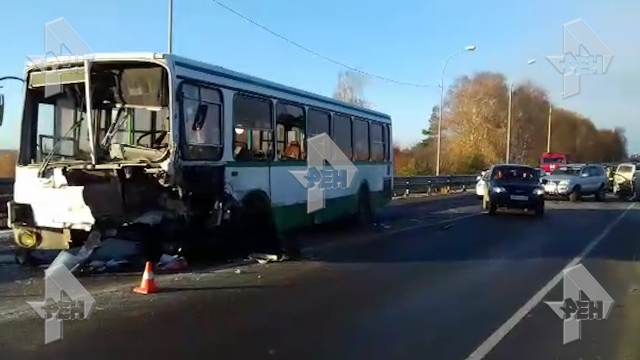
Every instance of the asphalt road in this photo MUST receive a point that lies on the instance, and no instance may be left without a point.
(432, 280)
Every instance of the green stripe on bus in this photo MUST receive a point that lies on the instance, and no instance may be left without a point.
(291, 217)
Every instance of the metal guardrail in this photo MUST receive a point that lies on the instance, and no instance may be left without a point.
(404, 186)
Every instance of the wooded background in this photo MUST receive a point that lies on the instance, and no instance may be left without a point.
(474, 130)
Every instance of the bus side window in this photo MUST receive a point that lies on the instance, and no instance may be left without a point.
(377, 142)
(319, 123)
(253, 128)
(387, 143)
(202, 122)
(290, 126)
(342, 134)
(360, 140)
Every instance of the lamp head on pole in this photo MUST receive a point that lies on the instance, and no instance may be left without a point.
(470, 48)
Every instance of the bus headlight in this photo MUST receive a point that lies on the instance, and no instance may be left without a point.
(26, 238)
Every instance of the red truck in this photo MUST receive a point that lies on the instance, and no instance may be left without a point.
(551, 161)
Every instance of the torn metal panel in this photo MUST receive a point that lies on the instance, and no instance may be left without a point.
(54, 204)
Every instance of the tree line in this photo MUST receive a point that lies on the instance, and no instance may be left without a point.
(474, 130)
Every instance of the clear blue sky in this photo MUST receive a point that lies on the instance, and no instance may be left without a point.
(405, 40)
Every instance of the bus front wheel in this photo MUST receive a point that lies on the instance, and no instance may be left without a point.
(256, 224)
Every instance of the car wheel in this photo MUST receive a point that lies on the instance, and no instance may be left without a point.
(492, 209)
(540, 210)
(575, 195)
(601, 195)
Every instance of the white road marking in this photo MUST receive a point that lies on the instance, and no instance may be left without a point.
(503, 330)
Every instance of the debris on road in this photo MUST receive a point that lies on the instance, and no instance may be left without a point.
(117, 249)
(266, 258)
(72, 261)
(96, 266)
(382, 226)
(172, 263)
(113, 265)
(446, 226)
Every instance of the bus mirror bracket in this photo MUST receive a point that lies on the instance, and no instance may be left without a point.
(1, 108)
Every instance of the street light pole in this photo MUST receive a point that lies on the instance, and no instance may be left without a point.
(549, 129)
(440, 126)
(469, 48)
(170, 35)
(508, 155)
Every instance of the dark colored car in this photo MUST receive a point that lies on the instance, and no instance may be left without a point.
(514, 186)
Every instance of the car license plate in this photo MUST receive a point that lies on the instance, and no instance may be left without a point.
(519, 197)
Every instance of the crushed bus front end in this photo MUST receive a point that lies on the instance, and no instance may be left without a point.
(97, 152)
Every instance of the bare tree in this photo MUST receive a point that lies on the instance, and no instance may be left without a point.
(350, 88)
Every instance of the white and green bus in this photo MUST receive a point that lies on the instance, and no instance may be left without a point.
(113, 139)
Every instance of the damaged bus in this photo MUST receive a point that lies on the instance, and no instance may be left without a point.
(109, 140)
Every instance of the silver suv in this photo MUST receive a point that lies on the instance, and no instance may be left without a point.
(575, 180)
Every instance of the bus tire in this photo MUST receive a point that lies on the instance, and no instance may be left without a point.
(256, 224)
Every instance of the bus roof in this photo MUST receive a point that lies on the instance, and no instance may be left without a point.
(210, 69)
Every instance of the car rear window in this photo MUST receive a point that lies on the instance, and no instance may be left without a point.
(568, 171)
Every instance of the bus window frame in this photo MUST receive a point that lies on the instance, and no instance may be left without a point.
(373, 123)
(328, 112)
(353, 136)
(183, 131)
(305, 112)
(272, 115)
(333, 131)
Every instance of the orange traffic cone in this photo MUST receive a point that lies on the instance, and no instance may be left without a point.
(148, 285)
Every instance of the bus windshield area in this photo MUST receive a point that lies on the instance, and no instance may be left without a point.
(129, 113)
